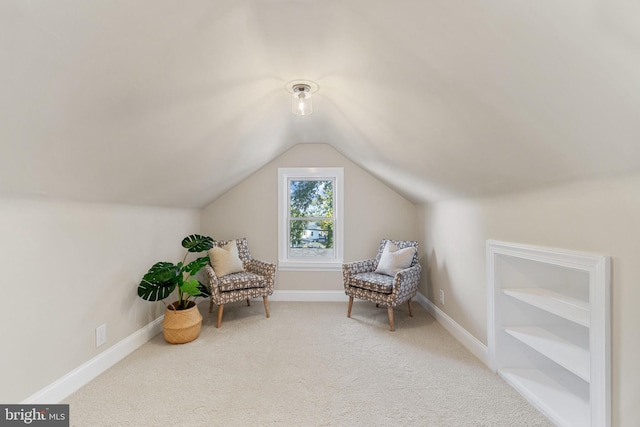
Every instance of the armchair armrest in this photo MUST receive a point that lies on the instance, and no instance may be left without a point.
(363, 266)
(214, 284)
(406, 281)
(262, 268)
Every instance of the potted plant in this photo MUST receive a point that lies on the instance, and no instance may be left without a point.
(182, 319)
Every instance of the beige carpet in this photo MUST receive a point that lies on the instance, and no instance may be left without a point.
(308, 365)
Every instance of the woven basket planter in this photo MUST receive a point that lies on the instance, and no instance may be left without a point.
(181, 326)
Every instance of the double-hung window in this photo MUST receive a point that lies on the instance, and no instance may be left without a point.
(310, 219)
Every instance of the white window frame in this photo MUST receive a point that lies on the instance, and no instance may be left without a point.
(285, 262)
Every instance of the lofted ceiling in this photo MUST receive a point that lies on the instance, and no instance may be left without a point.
(172, 103)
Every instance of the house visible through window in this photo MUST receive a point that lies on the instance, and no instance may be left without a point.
(310, 218)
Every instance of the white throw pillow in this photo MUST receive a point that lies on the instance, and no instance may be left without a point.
(225, 259)
(394, 259)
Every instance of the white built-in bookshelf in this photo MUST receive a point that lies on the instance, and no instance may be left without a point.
(549, 329)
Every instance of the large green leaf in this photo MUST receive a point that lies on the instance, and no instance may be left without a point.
(160, 281)
(197, 243)
(196, 265)
(162, 272)
(191, 287)
(155, 291)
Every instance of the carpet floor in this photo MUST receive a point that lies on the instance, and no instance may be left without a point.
(307, 365)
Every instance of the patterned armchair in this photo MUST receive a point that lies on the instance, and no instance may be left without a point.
(256, 280)
(361, 281)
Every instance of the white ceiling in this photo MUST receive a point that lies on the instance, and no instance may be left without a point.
(171, 103)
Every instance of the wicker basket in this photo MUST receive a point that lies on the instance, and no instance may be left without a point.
(181, 326)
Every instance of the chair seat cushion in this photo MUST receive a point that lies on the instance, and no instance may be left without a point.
(243, 280)
(373, 282)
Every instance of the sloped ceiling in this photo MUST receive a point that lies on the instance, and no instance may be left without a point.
(173, 102)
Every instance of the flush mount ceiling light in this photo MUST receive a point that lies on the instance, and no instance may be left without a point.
(301, 91)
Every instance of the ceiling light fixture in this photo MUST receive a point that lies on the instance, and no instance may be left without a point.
(301, 91)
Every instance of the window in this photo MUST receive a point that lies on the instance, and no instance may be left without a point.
(310, 218)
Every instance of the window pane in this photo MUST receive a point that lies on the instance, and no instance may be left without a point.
(311, 198)
(311, 239)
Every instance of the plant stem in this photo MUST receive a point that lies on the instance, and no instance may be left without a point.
(180, 297)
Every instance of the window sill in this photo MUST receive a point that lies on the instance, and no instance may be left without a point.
(288, 265)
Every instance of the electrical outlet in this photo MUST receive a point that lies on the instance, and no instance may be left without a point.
(101, 335)
(441, 296)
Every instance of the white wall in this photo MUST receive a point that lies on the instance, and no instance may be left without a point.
(593, 216)
(371, 211)
(68, 268)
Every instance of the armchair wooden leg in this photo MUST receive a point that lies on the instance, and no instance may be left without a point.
(390, 313)
(350, 305)
(410, 312)
(248, 303)
(211, 306)
(220, 310)
(266, 305)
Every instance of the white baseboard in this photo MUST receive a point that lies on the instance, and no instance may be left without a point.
(309, 296)
(471, 343)
(82, 375)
